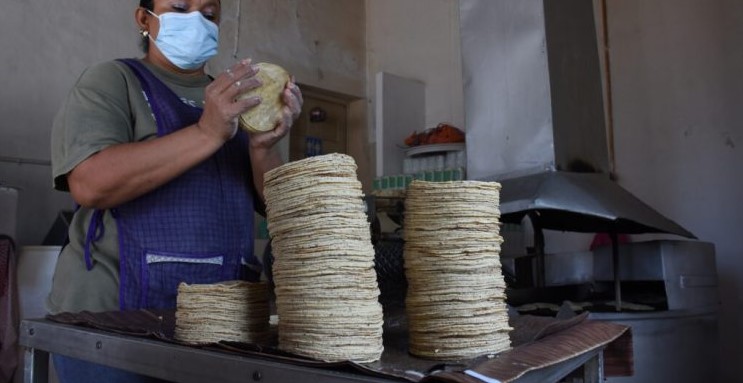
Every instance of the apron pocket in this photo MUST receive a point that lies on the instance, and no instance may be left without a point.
(164, 272)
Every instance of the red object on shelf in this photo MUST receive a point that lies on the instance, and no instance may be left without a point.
(441, 134)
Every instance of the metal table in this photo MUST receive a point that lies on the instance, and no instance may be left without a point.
(187, 364)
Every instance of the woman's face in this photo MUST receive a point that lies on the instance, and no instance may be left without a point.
(150, 24)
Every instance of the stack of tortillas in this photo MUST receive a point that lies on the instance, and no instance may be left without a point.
(236, 311)
(326, 286)
(456, 293)
(265, 115)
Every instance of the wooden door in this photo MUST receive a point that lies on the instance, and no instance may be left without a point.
(321, 127)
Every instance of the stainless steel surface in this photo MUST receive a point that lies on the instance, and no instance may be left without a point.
(35, 366)
(163, 360)
(687, 269)
(681, 343)
(581, 202)
(532, 86)
(589, 364)
(593, 371)
(578, 120)
(563, 269)
(679, 346)
(186, 364)
(506, 86)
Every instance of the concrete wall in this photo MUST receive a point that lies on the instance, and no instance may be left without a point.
(679, 131)
(321, 42)
(46, 45)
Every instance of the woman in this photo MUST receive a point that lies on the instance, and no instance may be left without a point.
(166, 182)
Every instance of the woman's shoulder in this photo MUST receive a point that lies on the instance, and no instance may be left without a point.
(107, 73)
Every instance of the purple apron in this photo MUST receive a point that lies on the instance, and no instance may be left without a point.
(198, 228)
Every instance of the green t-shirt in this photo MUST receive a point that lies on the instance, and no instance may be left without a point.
(105, 107)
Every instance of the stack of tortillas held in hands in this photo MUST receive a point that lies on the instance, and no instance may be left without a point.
(265, 115)
(456, 292)
(236, 311)
(326, 286)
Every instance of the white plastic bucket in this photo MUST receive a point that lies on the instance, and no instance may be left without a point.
(35, 269)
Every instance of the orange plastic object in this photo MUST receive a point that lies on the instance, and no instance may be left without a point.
(441, 134)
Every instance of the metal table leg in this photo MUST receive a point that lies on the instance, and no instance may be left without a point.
(36, 366)
(593, 370)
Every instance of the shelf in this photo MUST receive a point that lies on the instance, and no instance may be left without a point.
(434, 148)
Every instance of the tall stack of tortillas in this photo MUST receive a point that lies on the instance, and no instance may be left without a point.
(235, 311)
(326, 286)
(456, 293)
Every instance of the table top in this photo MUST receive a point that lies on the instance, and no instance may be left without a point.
(179, 363)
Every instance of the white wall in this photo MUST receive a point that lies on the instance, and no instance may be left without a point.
(678, 131)
(45, 45)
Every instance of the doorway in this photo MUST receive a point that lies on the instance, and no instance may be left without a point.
(322, 127)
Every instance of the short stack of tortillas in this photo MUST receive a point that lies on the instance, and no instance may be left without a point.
(456, 293)
(236, 311)
(326, 286)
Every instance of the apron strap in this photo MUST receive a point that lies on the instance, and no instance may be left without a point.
(95, 232)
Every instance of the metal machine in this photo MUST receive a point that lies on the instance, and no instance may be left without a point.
(678, 340)
(666, 290)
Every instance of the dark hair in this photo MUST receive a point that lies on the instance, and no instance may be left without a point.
(145, 41)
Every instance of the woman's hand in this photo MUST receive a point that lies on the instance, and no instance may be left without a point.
(263, 154)
(221, 104)
(292, 97)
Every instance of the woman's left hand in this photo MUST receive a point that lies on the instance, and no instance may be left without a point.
(292, 97)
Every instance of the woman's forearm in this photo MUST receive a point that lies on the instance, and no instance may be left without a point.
(263, 160)
(123, 172)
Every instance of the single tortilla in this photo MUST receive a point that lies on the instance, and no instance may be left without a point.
(263, 117)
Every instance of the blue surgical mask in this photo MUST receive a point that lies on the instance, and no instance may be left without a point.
(188, 40)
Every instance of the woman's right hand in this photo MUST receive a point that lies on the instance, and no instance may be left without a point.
(221, 104)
